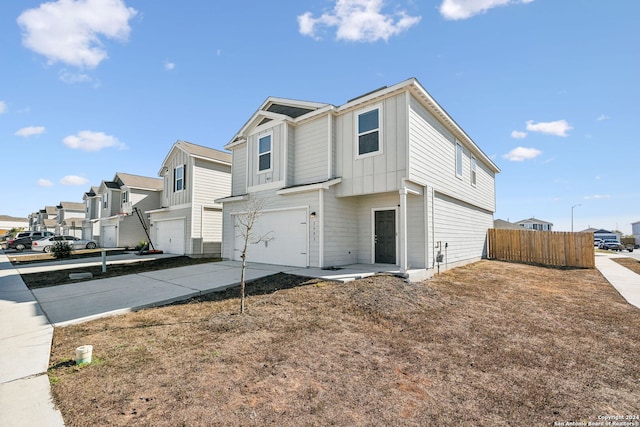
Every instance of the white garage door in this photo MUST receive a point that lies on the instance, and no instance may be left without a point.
(170, 236)
(109, 236)
(287, 231)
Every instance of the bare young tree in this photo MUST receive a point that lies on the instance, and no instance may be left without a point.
(245, 223)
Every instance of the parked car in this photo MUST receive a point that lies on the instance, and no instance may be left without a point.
(597, 242)
(47, 244)
(24, 239)
(611, 245)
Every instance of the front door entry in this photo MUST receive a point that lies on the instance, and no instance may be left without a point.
(385, 237)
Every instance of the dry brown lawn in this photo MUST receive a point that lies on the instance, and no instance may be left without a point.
(631, 263)
(491, 343)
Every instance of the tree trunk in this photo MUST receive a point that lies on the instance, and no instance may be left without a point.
(244, 267)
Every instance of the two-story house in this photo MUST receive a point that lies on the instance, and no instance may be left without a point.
(120, 225)
(190, 221)
(70, 218)
(47, 219)
(388, 177)
(91, 222)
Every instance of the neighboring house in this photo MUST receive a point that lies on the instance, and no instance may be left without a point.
(92, 209)
(388, 177)
(190, 221)
(599, 233)
(635, 230)
(7, 223)
(119, 223)
(505, 225)
(535, 224)
(69, 218)
(47, 219)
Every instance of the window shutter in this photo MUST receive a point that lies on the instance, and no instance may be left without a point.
(184, 177)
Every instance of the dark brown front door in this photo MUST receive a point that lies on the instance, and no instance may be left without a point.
(385, 237)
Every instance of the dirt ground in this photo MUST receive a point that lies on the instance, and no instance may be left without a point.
(491, 343)
(631, 263)
(61, 277)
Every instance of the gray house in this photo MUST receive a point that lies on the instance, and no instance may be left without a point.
(119, 225)
(189, 221)
(386, 178)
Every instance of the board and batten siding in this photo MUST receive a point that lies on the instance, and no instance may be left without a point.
(365, 205)
(310, 152)
(176, 198)
(461, 227)
(340, 230)
(432, 161)
(378, 173)
(277, 173)
(416, 235)
(239, 170)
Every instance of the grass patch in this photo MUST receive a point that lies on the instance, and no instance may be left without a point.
(631, 263)
(490, 343)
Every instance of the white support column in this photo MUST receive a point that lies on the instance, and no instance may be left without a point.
(403, 231)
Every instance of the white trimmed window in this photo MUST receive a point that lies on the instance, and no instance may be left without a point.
(105, 200)
(473, 171)
(125, 196)
(458, 160)
(178, 178)
(264, 153)
(369, 132)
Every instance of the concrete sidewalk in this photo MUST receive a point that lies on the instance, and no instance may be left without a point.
(626, 282)
(25, 345)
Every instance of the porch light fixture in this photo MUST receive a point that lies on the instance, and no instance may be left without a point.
(313, 215)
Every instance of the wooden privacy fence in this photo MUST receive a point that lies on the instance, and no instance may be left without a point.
(542, 247)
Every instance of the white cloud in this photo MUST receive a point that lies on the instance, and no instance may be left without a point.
(558, 128)
(520, 154)
(44, 183)
(358, 20)
(463, 9)
(597, 196)
(3, 107)
(169, 65)
(518, 135)
(602, 117)
(87, 140)
(72, 78)
(70, 31)
(30, 131)
(74, 180)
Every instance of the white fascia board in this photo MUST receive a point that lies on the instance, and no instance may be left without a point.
(310, 187)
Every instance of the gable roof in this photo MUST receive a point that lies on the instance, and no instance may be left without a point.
(505, 225)
(72, 206)
(532, 220)
(197, 151)
(138, 181)
(268, 111)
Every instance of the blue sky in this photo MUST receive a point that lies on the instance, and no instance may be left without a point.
(548, 89)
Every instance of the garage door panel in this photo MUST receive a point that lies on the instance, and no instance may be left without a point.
(109, 236)
(285, 239)
(170, 236)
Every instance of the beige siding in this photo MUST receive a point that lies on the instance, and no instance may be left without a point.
(176, 198)
(416, 232)
(340, 230)
(311, 156)
(460, 228)
(277, 173)
(239, 170)
(211, 181)
(432, 161)
(379, 173)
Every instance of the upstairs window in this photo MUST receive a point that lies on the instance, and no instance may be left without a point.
(264, 153)
(178, 178)
(473, 171)
(369, 133)
(125, 197)
(458, 160)
(105, 200)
